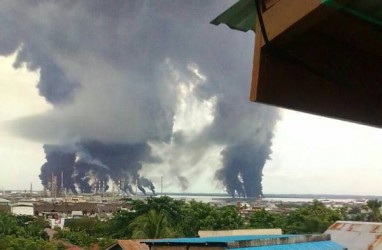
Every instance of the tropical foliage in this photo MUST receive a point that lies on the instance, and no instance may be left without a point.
(23, 232)
(162, 217)
(306, 219)
(374, 206)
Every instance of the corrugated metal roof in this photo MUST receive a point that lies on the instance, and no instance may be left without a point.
(357, 235)
(257, 242)
(129, 245)
(239, 241)
(220, 239)
(320, 245)
(241, 16)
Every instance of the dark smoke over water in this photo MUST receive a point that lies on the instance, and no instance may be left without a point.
(117, 75)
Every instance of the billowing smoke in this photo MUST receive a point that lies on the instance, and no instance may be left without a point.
(122, 77)
(59, 163)
(143, 183)
(89, 166)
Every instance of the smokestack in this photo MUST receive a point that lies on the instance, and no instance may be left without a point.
(62, 182)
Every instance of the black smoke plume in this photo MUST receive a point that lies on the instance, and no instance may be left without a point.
(242, 170)
(59, 163)
(145, 183)
(89, 166)
(116, 74)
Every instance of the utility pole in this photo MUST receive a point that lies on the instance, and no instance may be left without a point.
(112, 190)
(62, 183)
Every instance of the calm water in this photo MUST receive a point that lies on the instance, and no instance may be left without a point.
(283, 198)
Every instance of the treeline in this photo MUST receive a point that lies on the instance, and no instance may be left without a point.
(162, 217)
(23, 232)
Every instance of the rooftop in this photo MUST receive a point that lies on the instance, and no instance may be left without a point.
(313, 39)
(4, 200)
(255, 242)
(321, 245)
(216, 240)
(357, 235)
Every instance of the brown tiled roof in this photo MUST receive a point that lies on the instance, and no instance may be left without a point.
(67, 207)
(68, 245)
(130, 245)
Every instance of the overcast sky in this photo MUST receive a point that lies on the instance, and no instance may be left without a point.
(309, 154)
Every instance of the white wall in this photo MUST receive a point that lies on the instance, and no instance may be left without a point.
(22, 210)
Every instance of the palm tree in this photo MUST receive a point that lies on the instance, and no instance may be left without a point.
(151, 225)
(8, 224)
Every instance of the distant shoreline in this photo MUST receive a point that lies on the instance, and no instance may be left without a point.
(227, 196)
(312, 196)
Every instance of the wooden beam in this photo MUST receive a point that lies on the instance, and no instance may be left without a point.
(269, 3)
(259, 41)
(285, 13)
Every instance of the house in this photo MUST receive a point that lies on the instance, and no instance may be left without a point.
(4, 205)
(128, 245)
(77, 214)
(67, 245)
(318, 56)
(247, 242)
(23, 208)
(356, 235)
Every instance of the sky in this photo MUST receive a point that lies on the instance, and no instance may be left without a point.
(165, 91)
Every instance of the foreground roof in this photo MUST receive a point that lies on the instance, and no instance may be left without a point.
(216, 240)
(357, 235)
(320, 245)
(240, 16)
(369, 10)
(128, 245)
(254, 242)
(322, 57)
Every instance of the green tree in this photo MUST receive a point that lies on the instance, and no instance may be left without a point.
(314, 218)
(265, 219)
(35, 229)
(9, 225)
(374, 206)
(194, 216)
(203, 216)
(228, 218)
(117, 227)
(79, 238)
(12, 242)
(152, 225)
(165, 204)
(89, 225)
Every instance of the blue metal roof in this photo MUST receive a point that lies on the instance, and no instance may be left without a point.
(319, 245)
(216, 240)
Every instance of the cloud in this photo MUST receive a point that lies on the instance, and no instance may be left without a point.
(143, 73)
